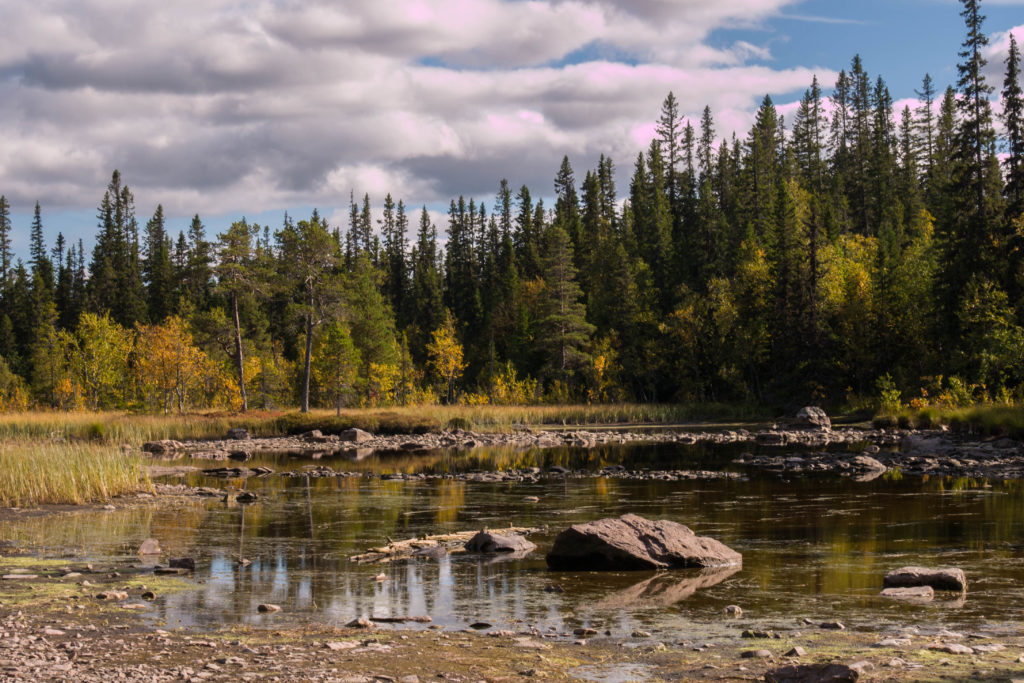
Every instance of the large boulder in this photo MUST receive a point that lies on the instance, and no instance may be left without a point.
(948, 579)
(632, 542)
(812, 417)
(487, 542)
(356, 435)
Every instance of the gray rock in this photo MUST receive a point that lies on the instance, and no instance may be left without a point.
(356, 435)
(951, 648)
(756, 654)
(150, 546)
(919, 593)
(487, 542)
(634, 543)
(812, 673)
(163, 447)
(920, 444)
(812, 417)
(238, 434)
(734, 611)
(948, 579)
(268, 607)
(797, 651)
(246, 497)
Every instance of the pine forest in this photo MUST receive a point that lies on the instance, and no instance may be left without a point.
(851, 253)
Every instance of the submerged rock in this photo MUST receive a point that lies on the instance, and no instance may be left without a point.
(812, 673)
(487, 542)
(150, 546)
(634, 543)
(919, 593)
(948, 579)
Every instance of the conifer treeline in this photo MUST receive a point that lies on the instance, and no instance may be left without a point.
(859, 249)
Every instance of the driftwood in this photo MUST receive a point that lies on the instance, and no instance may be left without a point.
(399, 550)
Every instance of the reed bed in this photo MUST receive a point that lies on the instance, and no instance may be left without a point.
(984, 420)
(67, 473)
(118, 427)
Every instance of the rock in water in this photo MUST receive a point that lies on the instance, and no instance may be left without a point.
(812, 417)
(813, 673)
(150, 546)
(920, 593)
(487, 542)
(354, 434)
(948, 579)
(632, 542)
(182, 563)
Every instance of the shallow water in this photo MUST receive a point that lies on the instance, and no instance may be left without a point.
(813, 547)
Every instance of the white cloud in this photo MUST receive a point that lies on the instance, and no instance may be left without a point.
(247, 106)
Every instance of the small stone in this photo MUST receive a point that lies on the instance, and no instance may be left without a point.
(553, 588)
(112, 595)
(892, 642)
(796, 652)
(641, 634)
(409, 679)
(832, 626)
(52, 632)
(753, 633)
(951, 648)
(756, 654)
(135, 606)
(268, 607)
(361, 622)
(583, 632)
(734, 611)
(340, 645)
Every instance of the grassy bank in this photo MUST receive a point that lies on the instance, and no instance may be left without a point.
(984, 420)
(122, 427)
(61, 473)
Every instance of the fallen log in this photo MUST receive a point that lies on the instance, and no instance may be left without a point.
(453, 542)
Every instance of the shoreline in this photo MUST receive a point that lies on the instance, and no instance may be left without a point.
(56, 628)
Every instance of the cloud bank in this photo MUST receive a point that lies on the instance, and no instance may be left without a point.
(231, 107)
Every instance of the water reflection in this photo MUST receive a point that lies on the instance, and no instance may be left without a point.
(814, 547)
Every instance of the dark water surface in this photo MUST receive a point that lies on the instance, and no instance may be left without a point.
(812, 547)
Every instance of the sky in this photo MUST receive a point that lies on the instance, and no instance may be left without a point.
(232, 108)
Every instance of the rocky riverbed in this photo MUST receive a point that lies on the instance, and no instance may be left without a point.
(356, 443)
(55, 627)
(791, 452)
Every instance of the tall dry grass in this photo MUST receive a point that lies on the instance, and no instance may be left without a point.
(66, 473)
(115, 427)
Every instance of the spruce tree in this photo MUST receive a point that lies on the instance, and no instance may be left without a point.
(1013, 120)
(6, 255)
(563, 325)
